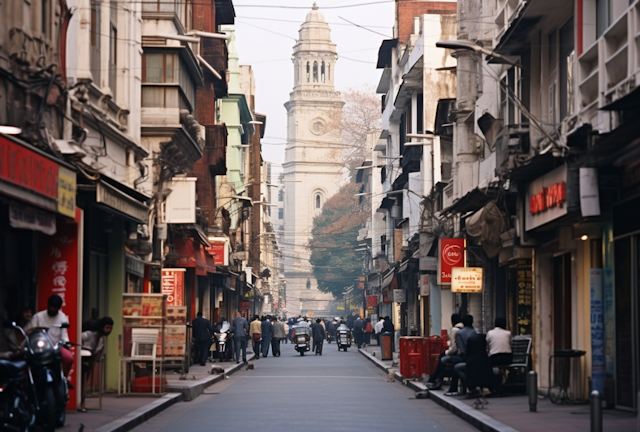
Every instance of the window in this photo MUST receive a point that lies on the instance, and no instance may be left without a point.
(280, 213)
(322, 75)
(308, 71)
(308, 284)
(296, 74)
(567, 58)
(45, 17)
(281, 195)
(315, 71)
(113, 46)
(318, 201)
(94, 53)
(329, 72)
(602, 16)
(166, 68)
(420, 113)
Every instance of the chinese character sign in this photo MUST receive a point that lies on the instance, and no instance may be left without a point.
(58, 274)
(451, 254)
(466, 280)
(173, 286)
(597, 330)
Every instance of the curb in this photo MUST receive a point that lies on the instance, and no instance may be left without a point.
(482, 421)
(142, 414)
(180, 393)
(191, 391)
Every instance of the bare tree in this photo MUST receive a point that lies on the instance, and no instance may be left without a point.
(361, 116)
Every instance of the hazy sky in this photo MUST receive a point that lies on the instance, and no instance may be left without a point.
(265, 39)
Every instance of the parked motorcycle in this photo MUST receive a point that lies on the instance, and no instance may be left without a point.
(17, 409)
(343, 337)
(48, 385)
(223, 337)
(302, 339)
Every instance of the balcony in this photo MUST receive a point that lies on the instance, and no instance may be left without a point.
(215, 52)
(215, 149)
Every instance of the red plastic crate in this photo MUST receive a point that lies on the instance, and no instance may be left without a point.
(412, 350)
(143, 384)
(432, 354)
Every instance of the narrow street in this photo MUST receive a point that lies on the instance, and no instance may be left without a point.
(335, 392)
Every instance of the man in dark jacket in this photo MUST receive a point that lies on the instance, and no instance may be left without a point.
(462, 336)
(202, 333)
(267, 331)
(318, 336)
(358, 331)
(388, 326)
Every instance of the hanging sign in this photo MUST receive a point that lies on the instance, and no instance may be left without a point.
(400, 296)
(451, 254)
(466, 280)
(425, 286)
(546, 198)
(173, 286)
(372, 301)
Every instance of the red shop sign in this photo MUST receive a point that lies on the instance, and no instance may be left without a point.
(553, 196)
(451, 254)
(58, 274)
(173, 286)
(372, 301)
(244, 305)
(217, 250)
(28, 169)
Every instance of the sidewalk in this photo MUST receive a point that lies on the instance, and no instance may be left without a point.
(511, 413)
(121, 414)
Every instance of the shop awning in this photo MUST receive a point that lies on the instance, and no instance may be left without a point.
(191, 254)
(474, 200)
(387, 279)
(210, 265)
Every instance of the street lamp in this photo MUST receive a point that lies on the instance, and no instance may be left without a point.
(470, 46)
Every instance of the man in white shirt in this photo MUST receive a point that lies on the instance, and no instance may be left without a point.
(378, 329)
(499, 344)
(50, 317)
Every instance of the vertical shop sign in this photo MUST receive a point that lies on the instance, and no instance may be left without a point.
(608, 321)
(524, 281)
(451, 254)
(597, 331)
(173, 286)
(425, 286)
(58, 274)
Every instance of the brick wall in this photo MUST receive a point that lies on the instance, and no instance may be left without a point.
(406, 10)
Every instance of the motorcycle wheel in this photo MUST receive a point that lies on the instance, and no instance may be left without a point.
(49, 416)
(302, 353)
(345, 349)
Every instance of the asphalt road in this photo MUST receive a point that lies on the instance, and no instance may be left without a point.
(338, 391)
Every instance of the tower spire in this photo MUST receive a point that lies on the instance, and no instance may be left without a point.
(315, 6)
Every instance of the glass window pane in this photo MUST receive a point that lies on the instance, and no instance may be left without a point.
(154, 68)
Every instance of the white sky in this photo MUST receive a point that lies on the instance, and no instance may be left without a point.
(270, 54)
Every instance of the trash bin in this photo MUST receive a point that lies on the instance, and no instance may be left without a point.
(431, 354)
(387, 346)
(411, 356)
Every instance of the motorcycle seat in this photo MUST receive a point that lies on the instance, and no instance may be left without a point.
(12, 368)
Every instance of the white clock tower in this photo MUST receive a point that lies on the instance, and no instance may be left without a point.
(313, 167)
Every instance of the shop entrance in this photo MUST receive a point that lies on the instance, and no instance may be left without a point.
(627, 323)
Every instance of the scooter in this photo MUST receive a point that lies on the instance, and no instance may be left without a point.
(50, 391)
(222, 337)
(302, 339)
(343, 337)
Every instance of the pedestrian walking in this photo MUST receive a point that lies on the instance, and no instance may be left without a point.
(267, 331)
(318, 337)
(278, 335)
(202, 333)
(240, 330)
(255, 331)
(368, 329)
(287, 329)
(358, 331)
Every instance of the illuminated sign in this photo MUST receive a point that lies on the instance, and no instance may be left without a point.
(553, 196)
(466, 280)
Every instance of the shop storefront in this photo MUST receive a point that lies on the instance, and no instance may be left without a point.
(40, 236)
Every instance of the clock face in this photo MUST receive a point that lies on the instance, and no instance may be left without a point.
(317, 126)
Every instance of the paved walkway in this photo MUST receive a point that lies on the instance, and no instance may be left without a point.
(511, 413)
(120, 414)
